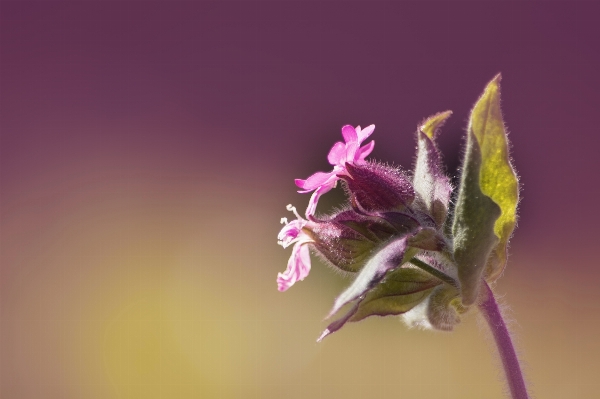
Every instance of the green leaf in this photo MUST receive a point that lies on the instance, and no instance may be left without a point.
(387, 258)
(485, 212)
(401, 290)
(498, 178)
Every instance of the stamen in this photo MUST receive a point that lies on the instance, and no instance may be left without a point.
(283, 221)
(291, 208)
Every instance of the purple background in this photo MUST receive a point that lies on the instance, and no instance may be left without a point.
(148, 150)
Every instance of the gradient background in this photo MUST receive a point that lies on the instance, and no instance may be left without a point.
(148, 151)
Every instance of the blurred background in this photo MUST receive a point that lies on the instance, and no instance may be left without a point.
(148, 150)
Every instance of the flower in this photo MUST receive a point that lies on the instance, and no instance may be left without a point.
(408, 256)
(393, 234)
(298, 265)
(340, 154)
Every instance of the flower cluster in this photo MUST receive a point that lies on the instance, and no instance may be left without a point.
(395, 235)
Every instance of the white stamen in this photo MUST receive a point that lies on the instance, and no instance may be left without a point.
(291, 208)
(283, 221)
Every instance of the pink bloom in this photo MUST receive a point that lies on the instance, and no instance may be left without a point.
(341, 153)
(298, 266)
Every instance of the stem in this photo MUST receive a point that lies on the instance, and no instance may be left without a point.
(433, 271)
(492, 315)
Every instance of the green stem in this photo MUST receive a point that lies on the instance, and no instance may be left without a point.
(433, 271)
(510, 362)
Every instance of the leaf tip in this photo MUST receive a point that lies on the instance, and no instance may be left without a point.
(493, 85)
(323, 335)
(430, 126)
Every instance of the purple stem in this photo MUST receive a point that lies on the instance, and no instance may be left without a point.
(492, 314)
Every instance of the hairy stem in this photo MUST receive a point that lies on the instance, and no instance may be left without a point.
(510, 362)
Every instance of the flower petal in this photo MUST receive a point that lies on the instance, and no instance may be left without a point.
(312, 204)
(363, 152)
(313, 181)
(349, 133)
(297, 269)
(363, 134)
(337, 152)
(351, 149)
(290, 232)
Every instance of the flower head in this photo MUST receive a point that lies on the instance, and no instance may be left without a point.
(349, 152)
(393, 234)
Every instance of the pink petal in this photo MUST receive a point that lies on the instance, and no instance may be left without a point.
(364, 134)
(351, 149)
(364, 151)
(313, 181)
(337, 152)
(349, 134)
(298, 267)
(312, 204)
(290, 232)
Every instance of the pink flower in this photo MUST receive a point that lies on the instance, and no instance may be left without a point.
(298, 265)
(341, 153)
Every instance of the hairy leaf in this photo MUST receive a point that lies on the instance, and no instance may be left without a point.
(401, 290)
(384, 260)
(429, 180)
(485, 213)
(498, 179)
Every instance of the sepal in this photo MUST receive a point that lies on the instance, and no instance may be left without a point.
(375, 187)
(348, 239)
